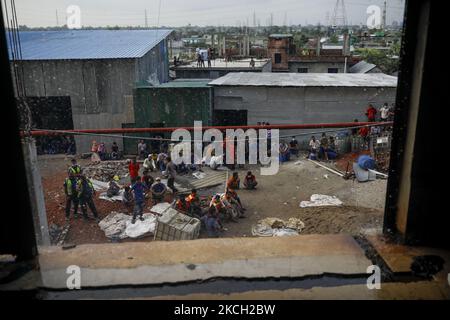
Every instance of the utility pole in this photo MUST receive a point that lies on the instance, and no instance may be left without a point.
(57, 19)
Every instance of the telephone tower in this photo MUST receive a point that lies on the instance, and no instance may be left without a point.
(339, 18)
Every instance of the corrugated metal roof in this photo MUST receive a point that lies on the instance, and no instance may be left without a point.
(88, 44)
(306, 80)
(362, 67)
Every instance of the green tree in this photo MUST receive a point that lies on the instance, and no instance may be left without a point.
(387, 61)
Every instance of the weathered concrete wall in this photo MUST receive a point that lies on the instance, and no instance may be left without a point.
(316, 67)
(287, 105)
(155, 64)
(101, 91)
(97, 89)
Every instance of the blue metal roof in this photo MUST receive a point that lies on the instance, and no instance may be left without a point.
(88, 44)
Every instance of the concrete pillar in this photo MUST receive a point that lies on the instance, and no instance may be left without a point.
(224, 46)
(36, 192)
(318, 46)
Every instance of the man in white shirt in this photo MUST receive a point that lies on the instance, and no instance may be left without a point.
(314, 144)
(384, 111)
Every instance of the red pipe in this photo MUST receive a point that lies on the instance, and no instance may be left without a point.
(37, 133)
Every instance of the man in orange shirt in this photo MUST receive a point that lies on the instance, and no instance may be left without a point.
(234, 181)
(193, 204)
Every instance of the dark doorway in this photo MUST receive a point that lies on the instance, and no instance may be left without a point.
(54, 113)
(277, 58)
(155, 145)
(230, 117)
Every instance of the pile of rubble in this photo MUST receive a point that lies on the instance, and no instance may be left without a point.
(275, 227)
(118, 226)
(105, 170)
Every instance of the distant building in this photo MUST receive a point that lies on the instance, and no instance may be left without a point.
(280, 48)
(317, 57)
(287, 98)
(173, 104)
(95, 69)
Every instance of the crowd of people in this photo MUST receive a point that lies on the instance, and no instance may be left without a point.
(80, 192)
(56, 145)
(212, 211)
(322, 149)
(384, 114)
(203, 56)
(222, 207)
(99, 152)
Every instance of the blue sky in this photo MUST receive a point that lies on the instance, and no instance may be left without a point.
(212, 12)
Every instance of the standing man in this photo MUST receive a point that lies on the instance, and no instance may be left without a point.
(114, 151)
(209, 57)
(133, 169)
(86, 192)
(142, 149)
(354, 131)
(384, 112)
(293, 147)
(171, 170)
(371, 113)
(160, 161)
(74, 169)
(391, 112)
(364, 133)
(314, 145)
(324, 146)
(139, 199)
(70, 189)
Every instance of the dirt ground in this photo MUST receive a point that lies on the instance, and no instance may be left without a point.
(276, 196)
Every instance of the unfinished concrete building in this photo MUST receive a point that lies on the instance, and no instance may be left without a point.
(279, 49)
(220, 68)
(96, 69)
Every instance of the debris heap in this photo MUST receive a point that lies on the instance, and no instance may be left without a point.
(105, 170)
(275, 227)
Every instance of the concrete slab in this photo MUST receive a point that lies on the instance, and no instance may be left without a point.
(399, 257)
(183, 261)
